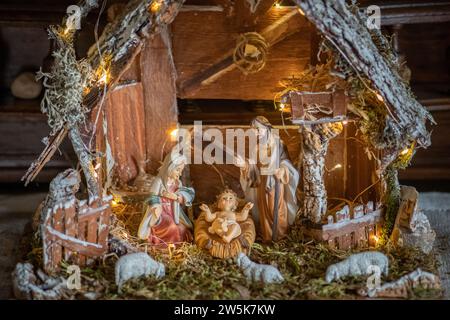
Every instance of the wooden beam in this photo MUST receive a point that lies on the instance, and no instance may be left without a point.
(281, 29)
(353, 40)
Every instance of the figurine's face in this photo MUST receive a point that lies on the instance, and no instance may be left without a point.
(177, 172)
(262, 131)
(227, 202)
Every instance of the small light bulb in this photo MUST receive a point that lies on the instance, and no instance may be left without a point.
(404, 151)
(103, 79)
(114, 203)
(174, 133)
(282, 106)
(379, 97)
(345, 122)
(277, 5)
(155, 6)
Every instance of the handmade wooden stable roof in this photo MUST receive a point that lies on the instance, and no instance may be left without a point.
(124, 38)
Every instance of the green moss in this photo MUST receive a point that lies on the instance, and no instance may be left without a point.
(193, 274)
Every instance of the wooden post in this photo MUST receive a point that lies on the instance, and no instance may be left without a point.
(158, 76)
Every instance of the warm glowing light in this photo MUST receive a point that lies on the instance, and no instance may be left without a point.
(103, 79)
(344, 122)
(379, 97)
(174, 133)
(338, 166)
(301, 11)
(114, 203)
(97, 166)
(404, 152)
(375, 238)
(155, 6)
(277, 5)
(282, 106)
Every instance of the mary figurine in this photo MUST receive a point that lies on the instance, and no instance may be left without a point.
(164, 221)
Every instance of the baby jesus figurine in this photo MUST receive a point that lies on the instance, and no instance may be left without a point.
(224, 222)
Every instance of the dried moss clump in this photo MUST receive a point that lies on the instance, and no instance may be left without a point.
(65, 83)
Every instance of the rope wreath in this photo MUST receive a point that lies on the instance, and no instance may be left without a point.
(250, 53)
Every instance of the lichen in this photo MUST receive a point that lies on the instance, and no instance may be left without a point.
(65, 83)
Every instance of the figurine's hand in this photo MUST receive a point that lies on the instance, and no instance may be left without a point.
(169, 195)
(205, 208)
(248, 206)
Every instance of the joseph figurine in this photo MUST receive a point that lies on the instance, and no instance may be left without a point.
(270, 183)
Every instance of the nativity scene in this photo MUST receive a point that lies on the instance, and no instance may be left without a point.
(319, 208)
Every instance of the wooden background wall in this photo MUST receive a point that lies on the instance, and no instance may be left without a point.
(198, 40)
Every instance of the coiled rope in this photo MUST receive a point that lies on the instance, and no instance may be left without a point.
(251, 52)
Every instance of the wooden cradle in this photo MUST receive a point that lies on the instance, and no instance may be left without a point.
(214, 244)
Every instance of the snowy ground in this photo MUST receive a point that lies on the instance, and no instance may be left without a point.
(16, 211)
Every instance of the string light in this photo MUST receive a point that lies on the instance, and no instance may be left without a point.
(277, 5)
(404, 152)
(155, 6)
(104, 78)
(114, 203)
(379, 97)
(345, 122)
(282, 106)
(375, 238)
(174, 133)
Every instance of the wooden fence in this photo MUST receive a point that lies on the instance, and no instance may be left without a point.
(76, 232)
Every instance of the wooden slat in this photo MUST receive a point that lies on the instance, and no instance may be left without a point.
(71, 229)
(125, 116)
(104, 223)
(82, 233)
(58, 225)
(77, 245)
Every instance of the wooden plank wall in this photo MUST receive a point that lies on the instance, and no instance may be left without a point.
(211, 35)
(345, 182)
(158, 76)
(126, 131)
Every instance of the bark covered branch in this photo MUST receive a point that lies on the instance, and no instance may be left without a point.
(353, 40)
